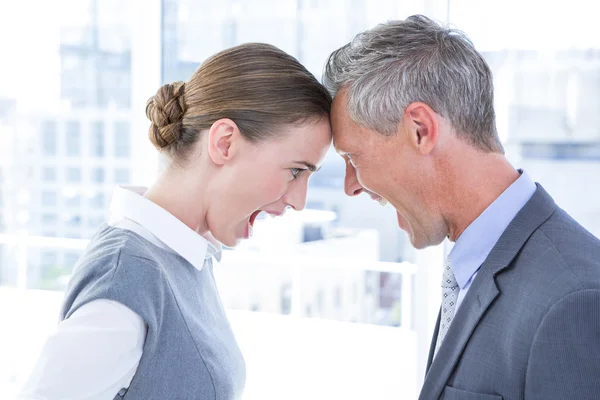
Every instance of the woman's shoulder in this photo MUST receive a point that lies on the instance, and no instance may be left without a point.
(112, 246)
(117, 265)
(115, 254)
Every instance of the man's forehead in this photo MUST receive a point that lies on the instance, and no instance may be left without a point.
(337, 146)
(341, 123)
(343, 141)
(340, 102)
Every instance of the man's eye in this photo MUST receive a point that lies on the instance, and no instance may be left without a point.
(350, 160)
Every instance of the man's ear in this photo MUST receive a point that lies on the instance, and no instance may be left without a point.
(421, 127)
(222, 138)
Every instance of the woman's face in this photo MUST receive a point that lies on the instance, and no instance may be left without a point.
(267, 176)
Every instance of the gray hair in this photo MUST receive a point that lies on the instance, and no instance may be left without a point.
(387, 68)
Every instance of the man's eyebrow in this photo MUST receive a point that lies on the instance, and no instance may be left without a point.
(340, 152)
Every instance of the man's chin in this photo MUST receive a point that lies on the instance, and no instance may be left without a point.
(417, 242)
(418, 245)
(402, 223)
(423, 242)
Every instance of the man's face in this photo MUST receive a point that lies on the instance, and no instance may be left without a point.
(390, 168)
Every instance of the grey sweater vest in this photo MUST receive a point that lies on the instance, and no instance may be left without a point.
(190, 351)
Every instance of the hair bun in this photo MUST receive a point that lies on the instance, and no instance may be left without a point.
(166, 110)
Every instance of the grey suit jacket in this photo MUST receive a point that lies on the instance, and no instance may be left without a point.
(529, 327)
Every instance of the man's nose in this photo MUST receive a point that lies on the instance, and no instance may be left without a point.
(351, 185)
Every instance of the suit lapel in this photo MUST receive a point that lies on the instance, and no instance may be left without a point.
(483, 292)
(433, 342)
(480, 296)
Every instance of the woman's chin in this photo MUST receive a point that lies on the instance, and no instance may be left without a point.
(231, 241)
(232, 238)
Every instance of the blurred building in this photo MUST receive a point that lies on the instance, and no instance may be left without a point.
(66, 150)
(547, 105)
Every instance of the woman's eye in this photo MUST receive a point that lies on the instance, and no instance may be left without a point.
(295, 172)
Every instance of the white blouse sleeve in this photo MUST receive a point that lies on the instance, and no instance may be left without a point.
(92, 355)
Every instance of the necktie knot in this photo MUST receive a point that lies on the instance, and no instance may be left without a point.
(448, 278)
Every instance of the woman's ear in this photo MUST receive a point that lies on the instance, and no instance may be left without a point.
(222, 138)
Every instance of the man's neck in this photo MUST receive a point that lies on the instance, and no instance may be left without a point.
(472, 186)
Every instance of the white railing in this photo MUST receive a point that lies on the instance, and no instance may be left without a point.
(289, 357)
(298, 266)
(286, 357)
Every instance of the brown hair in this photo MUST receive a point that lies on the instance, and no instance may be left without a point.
(258, 86)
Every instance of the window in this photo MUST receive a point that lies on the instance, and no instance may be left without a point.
(73, 139)
(122, 176)
(49, 138)
(98, 175)
(312, 232)
(71, 260)
(98, 201)
(286, 298)
(73, 200)
(73, 220)
(49, 198)
(337, 297)
(95, 221)
(49, 174)
(97, 139)
(308, 311)
(255, 307)
(73, 175)
(122, 139)
(315, 205)
(49, 219)
(319, 300)
(561, 151)
(48, 259)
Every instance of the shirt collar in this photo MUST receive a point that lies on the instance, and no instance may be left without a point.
(129, 202)
(477, 241)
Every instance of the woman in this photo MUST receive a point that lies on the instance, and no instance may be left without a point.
(142, 318)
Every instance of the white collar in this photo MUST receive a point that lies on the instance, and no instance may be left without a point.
(129, 203)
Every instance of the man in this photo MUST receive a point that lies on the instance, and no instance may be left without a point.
(413, 117)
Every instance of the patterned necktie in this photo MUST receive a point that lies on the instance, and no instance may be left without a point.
(450, 291)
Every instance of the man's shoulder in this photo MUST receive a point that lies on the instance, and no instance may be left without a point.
(564, 247)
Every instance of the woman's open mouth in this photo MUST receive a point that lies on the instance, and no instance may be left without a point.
(251, 220)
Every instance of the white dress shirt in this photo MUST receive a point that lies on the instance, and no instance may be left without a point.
(95, 353)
